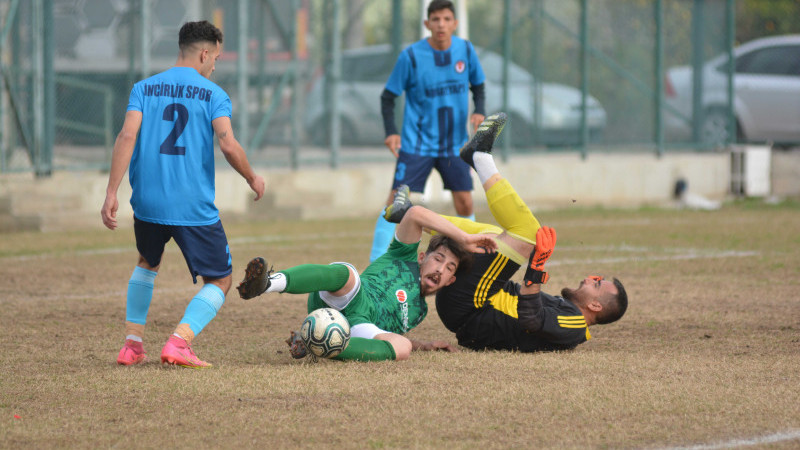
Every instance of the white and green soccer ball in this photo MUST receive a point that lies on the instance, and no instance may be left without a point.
(325, 332)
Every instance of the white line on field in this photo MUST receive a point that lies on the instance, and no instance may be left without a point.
(760, 440)
(233, 241)
(690, 255)
(672, 252)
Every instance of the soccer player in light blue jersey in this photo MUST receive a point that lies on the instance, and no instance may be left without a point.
(167, 141)
(436, 74)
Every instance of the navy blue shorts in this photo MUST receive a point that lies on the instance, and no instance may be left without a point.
(413, 170)
(205, 248)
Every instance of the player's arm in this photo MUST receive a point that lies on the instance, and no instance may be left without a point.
(392, 140)
(479, 99)
(529, 307)
(418, 218)
(120, 159)
(421, 346)
(235, 155)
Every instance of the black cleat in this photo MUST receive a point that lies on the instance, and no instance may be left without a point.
(296, 346)
(256, 279)
(484, 138)
(402, 202)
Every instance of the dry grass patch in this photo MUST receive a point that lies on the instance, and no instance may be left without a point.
(709, 351)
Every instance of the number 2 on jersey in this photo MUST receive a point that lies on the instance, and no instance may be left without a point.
(168, 147)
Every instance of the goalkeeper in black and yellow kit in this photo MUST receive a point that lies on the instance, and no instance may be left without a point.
(488, 311)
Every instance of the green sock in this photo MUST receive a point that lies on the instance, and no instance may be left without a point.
(307, 278)
(363, 349)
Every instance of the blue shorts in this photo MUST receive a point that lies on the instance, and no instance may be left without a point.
(413, 170)
(205, 248)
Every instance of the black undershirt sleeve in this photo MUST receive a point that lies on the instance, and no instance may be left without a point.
(387, 111)
(479, 98)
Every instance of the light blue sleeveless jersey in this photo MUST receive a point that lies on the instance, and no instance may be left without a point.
(437, 95)
(172, 167)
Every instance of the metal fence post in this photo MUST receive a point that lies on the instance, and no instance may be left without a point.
(506, 60)
(730, 20)
(698, 43)
(37, 86)
(242, 69)
(295, 107)
(335, 76)
(144, 34)
(49, 90)
(584, 64)
(659, 75)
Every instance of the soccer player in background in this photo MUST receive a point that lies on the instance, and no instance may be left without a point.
(488, 311)
(388, 298)
(436, 74)
(167, 138)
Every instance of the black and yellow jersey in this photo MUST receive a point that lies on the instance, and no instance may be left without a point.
(481, 308)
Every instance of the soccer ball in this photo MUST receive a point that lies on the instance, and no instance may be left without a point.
(325, 332)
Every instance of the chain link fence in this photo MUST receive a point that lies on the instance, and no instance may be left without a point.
(305, 75)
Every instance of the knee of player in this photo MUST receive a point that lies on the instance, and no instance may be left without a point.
(223, 283)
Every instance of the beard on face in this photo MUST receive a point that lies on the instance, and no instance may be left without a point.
(568, 293)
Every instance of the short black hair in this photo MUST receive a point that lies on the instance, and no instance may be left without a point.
(438, 5)
(194, 32)
(464, 257)
(615, 306)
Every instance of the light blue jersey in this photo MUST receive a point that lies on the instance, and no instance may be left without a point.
(437, 95)
(172, 167)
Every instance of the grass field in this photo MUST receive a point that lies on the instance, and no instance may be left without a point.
(708, 355)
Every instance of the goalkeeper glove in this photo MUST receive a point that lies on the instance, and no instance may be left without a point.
(545, 242)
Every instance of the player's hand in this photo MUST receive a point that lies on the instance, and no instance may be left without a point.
(545, 243)
(437, 345)
(109, 211)
(392, 142)
(480, 243)
(476, 120)
(258, 185)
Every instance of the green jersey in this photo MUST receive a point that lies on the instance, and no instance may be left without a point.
(389, 296)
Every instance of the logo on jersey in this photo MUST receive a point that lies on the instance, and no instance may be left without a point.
(402, 297)
(460, 66)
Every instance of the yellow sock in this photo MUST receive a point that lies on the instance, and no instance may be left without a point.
(511, 212)
(472, 227)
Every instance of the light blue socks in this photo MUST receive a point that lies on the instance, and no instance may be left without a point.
(140, 293)
(384, 233)
(203, 307)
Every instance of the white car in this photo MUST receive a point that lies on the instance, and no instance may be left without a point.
(364, 74)
(766, 101)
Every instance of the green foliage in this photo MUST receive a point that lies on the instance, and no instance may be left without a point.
(759, 18)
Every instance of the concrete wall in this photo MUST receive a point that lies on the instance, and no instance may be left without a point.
(552, 180)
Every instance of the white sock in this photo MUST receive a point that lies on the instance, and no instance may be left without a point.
(134, 337)
(484, 165)
(277, 283)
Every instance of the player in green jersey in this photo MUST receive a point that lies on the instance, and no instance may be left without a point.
(388, 298)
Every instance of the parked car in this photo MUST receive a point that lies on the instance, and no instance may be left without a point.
(766, 101)
(364, 74)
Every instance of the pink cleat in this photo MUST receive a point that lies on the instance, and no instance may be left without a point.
(176, 351)
(131, 353)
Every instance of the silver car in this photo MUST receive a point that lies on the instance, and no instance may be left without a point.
(364, 74)
(766, 100)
